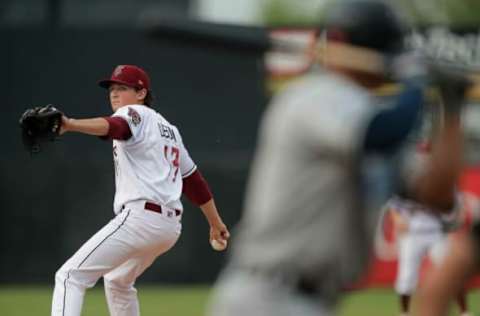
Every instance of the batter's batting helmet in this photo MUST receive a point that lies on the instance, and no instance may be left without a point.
(370, 24)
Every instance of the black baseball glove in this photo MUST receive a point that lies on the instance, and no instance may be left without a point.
(40, 125)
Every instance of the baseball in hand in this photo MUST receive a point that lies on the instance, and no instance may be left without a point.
(218, 245)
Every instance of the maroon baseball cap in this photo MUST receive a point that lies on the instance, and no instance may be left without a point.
(129, 75)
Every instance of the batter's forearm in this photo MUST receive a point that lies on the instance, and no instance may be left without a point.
(95, 126)
(436, 187)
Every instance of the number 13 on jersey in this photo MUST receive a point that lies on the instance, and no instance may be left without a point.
(172, 155)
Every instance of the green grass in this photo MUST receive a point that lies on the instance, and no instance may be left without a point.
(185, 300)
(384, 302)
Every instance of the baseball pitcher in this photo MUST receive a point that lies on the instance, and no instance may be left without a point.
(152, 170)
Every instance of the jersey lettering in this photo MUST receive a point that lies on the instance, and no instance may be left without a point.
(173, 158)
(166, 132)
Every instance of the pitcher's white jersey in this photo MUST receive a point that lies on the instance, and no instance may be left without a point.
(149, 165)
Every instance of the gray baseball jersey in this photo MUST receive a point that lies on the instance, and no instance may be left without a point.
(305, 208)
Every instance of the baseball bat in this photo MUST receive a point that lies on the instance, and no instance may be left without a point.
(251, 38)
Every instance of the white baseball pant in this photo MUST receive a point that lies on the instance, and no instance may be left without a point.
(413, 246)
(119, 252)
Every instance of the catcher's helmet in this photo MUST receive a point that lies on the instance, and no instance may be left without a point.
(366, 23)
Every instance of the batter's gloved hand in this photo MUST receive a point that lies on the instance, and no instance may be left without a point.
(452, 86)
(40, 125)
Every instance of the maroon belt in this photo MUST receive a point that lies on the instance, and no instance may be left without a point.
(157, 208)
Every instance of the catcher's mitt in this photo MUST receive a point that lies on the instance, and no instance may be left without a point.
(40, 125)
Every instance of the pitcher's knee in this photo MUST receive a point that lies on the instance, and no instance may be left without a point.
(77, 277)
(113, 284)
(61, 275)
